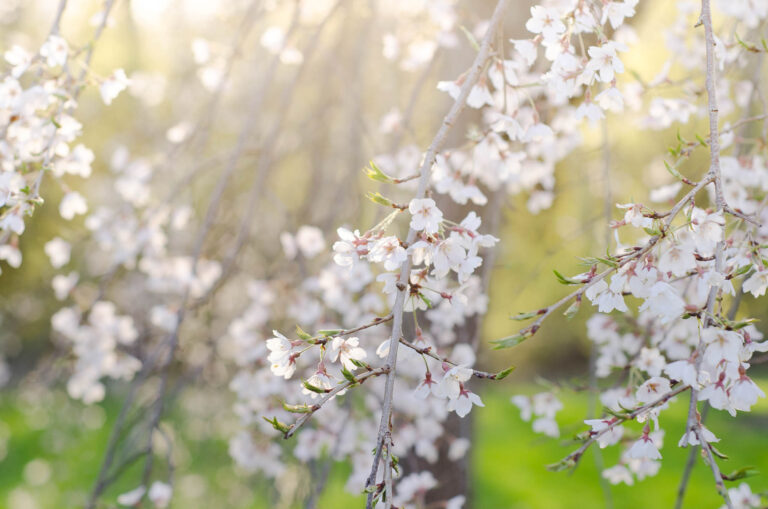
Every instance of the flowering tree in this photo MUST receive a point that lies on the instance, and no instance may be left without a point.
(372, 354)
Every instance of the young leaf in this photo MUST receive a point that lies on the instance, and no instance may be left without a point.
(374, 173)
(308, 386)
(511, 341)
(524, 316)
(501, 375)
(573, 309)
(297, 409)
(376, 197)
(741, 473)
(302, 334)
(279, 426)
(348, 375)
(564, 280)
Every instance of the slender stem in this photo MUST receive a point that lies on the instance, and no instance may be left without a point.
(639, 253)
(576, 455)
(56, 26)
(693, 423)
(594, 388)
(425, 171)
(328, 396)
(429, 353)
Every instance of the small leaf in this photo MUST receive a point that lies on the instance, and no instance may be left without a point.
(279, 426)
(360, 364)
(376, 197)
(518, 338)
(573, 309)
(501, 375)
(302, 334)
(329, 332)
(565, 464)
(374, 173)
(426, 300)
(348, 375)
(564, 280)
(308, 386)
(653, 232)
(741, 473)
(297, 409)
(673, 171)
(742, 270)
(524, 316)
(717, 453)
(608, 262)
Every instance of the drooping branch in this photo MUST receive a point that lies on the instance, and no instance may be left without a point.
(572, 459)
(293, 428)
(638, 253)
(693, 423)
(397, 311)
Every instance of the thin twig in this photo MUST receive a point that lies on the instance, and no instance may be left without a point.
(576, 455)
(328, 396)
(429, 353)
(638, 253)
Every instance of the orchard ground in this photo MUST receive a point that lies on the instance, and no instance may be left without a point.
(43, 467)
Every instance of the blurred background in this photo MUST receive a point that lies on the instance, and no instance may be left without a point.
(320, 90)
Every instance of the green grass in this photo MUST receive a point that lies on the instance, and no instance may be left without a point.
(509, 459)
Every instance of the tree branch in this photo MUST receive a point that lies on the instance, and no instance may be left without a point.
(424, 172)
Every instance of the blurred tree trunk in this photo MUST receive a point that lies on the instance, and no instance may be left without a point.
(455, 477)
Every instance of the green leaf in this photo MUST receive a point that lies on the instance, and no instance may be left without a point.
(360, 364)
(501, 375)
(308, 386)
(608, 262)
(348, 375)
(509, 341)
(573, 309)
(279, 426)
(374, 173)
(564, 280)
(330, 332)
(673, 171)
(302, 334)
(653, 232)
(740, 324)
(717, 453)
(515, 340)
(426, 300)
(297, 409)
(565, 464)
(376, 197)
(524, 316)
(741, 473)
